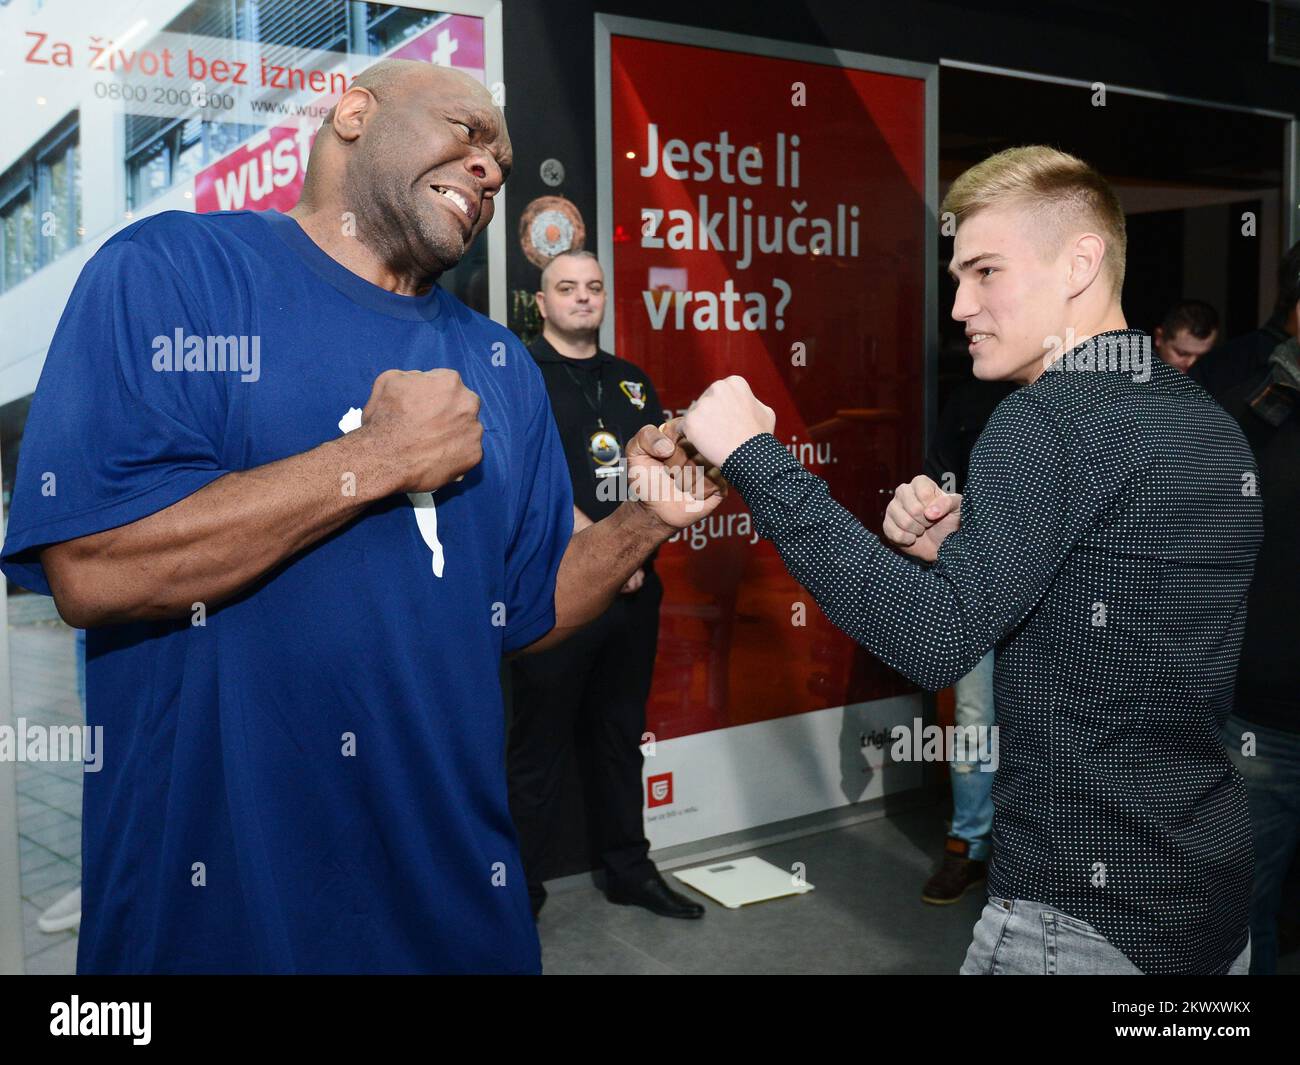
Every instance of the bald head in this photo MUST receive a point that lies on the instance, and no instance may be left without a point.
(395, 76)
(555, 267)
(416, 153)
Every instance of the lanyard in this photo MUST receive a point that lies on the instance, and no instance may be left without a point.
(600, 391)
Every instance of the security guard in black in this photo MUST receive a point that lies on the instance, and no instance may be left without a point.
(599, 679)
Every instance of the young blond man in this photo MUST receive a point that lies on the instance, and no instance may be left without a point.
(1104, 545)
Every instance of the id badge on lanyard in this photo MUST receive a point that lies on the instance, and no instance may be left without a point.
(605, 451)
(603, 447)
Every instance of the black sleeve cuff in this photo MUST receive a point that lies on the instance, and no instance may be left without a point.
(756, 462)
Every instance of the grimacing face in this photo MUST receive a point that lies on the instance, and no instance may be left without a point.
(573, 299)
(433, 155)
(1012, 293)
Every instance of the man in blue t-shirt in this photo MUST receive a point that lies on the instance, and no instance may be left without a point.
(304, 501)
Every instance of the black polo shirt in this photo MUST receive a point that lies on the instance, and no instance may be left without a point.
(586, 394)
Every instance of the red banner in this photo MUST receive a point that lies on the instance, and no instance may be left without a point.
(770, 221)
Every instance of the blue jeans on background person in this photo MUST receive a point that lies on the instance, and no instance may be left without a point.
(1272, 776)
(972, 788)
(1017, 937)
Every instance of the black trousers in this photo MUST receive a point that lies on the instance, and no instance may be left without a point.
(598, 680)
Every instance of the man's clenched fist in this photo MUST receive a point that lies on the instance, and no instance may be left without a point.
(724, 417)
(920, 517)
(666, 480)
(425, 427)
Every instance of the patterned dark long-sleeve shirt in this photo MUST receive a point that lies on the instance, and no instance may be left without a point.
(1108, 534)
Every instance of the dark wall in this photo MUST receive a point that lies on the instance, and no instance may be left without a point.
(550, 61)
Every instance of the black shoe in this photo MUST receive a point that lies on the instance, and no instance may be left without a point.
(958, 874)
(655, 895)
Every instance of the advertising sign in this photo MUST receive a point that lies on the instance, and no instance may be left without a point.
(766, 216)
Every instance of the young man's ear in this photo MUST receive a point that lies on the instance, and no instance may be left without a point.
(540, 298)
(1086, 261)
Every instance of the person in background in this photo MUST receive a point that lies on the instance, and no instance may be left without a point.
(968, 846)
(1245, 357)
(1189, 329)
(601, 677)
(1263, 732)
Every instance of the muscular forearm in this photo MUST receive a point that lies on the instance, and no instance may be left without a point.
(211, 545)
(599, 560)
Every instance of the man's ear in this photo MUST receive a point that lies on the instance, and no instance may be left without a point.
(540, 297)
(1158, 336)
(1086, 257)
(351, 112)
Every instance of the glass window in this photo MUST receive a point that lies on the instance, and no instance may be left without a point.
(19, 237)
(148, 173)
(175, 152)
(60, 179)
(387, 27)
(190, 151)
(40, 205)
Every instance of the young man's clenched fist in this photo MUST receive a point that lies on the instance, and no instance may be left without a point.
(920, 517)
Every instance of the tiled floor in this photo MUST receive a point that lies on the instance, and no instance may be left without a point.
(865, 915)
(43, 668)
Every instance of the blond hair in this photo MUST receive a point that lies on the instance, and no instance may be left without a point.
(1063, 192)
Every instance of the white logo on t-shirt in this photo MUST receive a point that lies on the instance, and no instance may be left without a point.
(426, 514)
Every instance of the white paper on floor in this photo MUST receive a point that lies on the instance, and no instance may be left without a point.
(736, 882)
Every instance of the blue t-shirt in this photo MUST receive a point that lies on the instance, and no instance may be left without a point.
(311, 780)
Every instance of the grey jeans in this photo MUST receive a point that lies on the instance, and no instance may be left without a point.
(1023, 938)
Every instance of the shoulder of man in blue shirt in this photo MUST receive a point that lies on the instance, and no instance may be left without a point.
(178, 237)
(201, 252)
